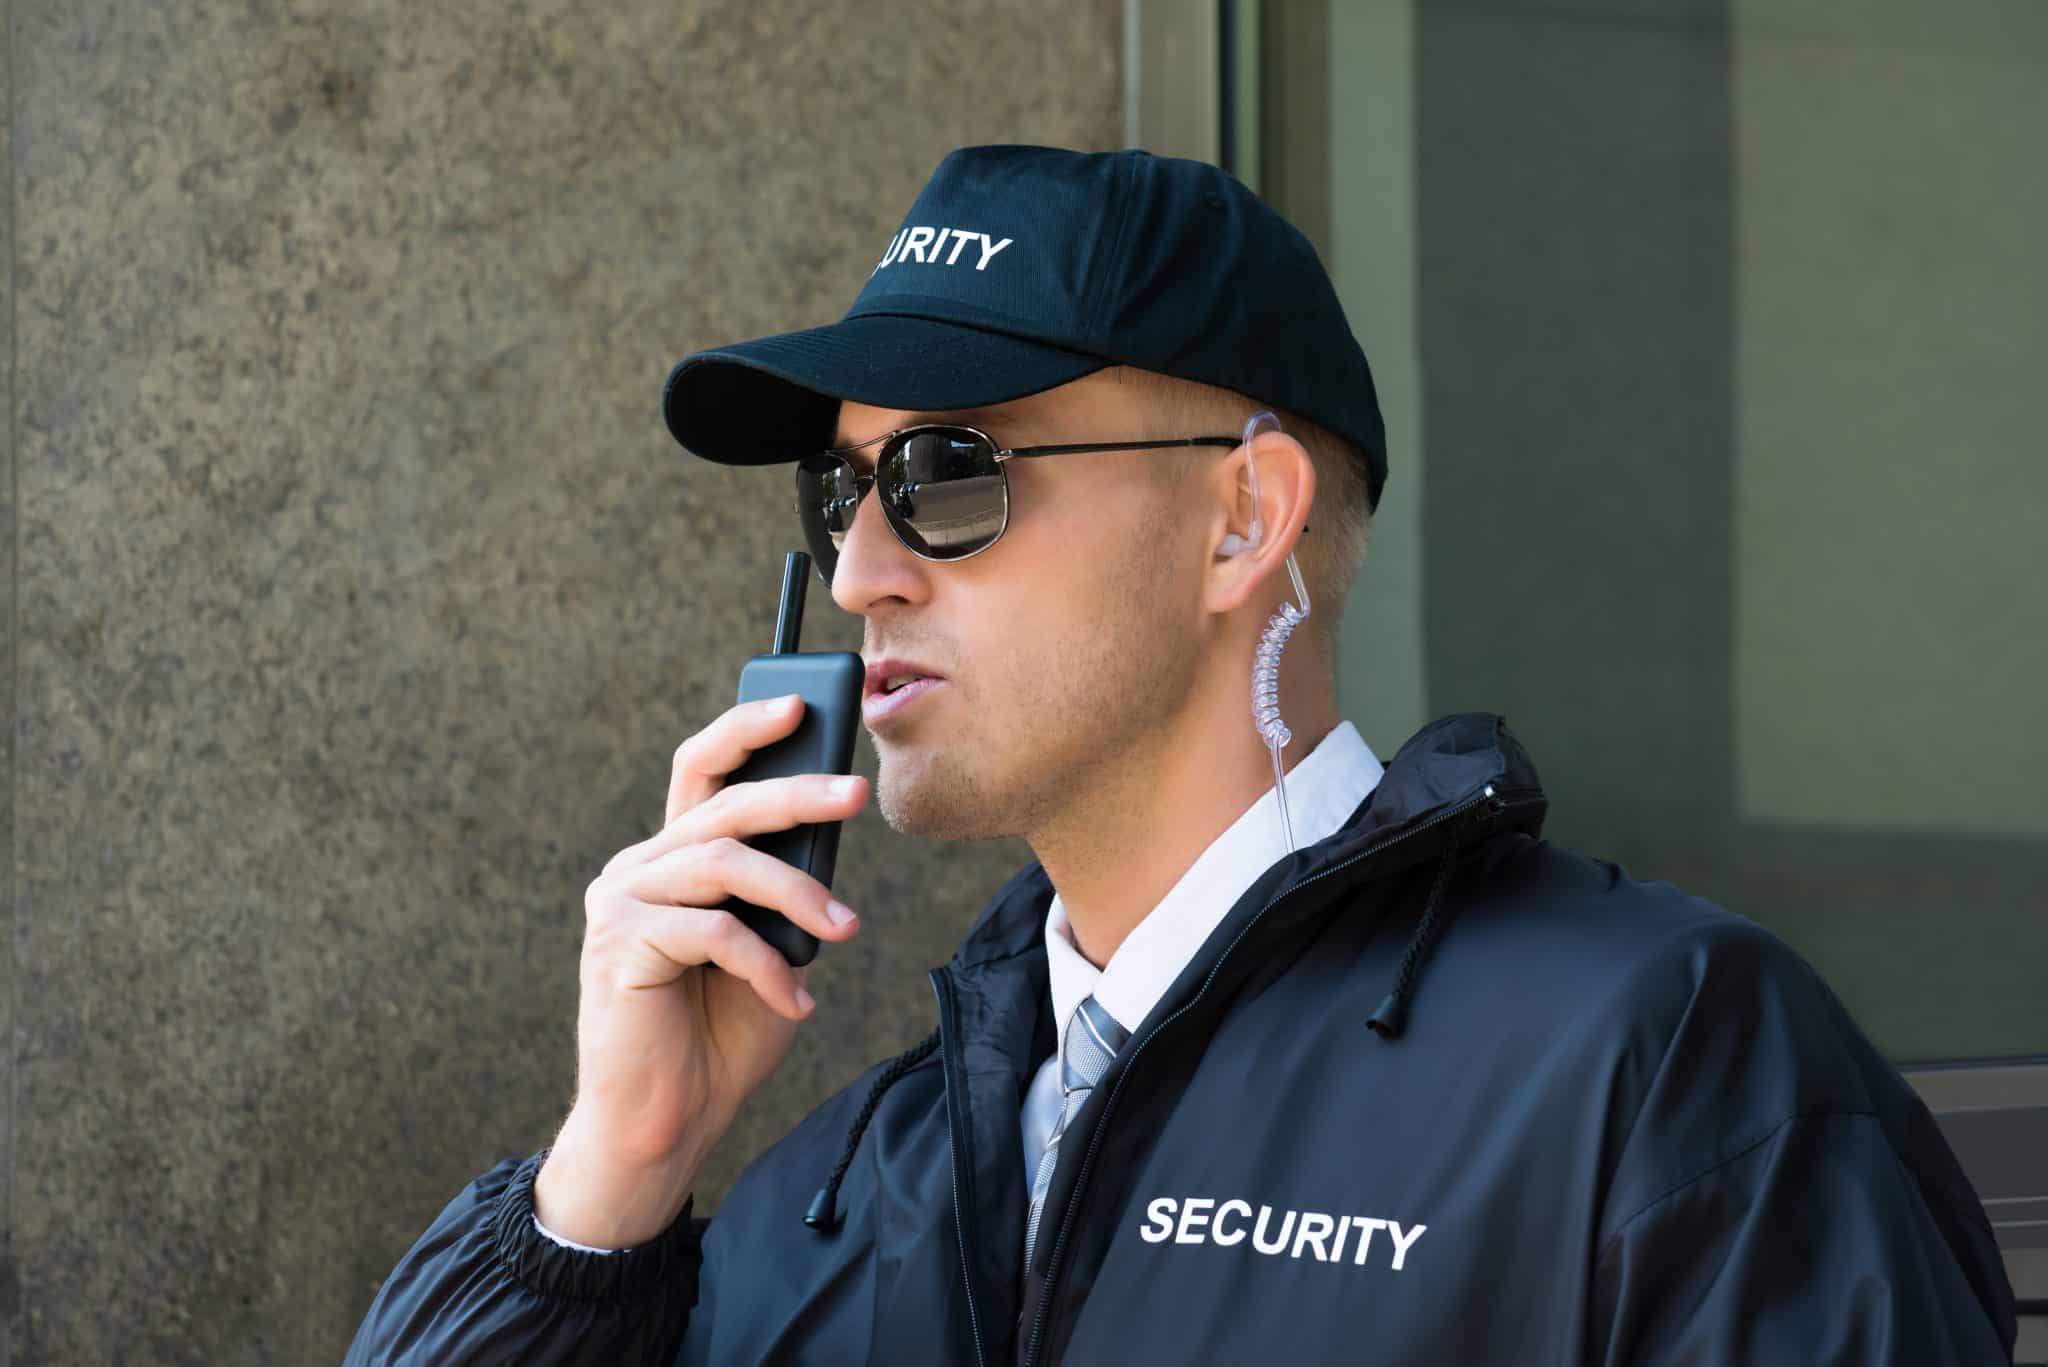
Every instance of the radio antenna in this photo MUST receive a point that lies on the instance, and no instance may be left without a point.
(789, 617)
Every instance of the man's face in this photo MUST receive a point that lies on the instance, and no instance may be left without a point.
(1065, 648)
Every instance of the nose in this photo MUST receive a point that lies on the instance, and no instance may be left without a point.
(873, 564)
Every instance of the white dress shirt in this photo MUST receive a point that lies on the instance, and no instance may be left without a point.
(1322, 790)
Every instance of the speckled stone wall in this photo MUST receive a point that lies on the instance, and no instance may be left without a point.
(357, 599)
(9, 1293)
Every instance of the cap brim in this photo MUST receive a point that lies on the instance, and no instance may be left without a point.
(777, 398)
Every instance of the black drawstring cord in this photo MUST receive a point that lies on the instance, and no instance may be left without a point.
(1392, 1014)
(821, 1216)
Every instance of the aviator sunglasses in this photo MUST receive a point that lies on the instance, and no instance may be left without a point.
(945, 492)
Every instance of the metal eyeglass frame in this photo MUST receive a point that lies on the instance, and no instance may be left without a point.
(864, 482)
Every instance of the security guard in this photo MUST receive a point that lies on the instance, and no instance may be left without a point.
(1383, 1077)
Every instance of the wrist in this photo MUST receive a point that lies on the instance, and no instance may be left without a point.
(586, 1193)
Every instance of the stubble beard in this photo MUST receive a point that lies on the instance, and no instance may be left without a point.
(1056, 746)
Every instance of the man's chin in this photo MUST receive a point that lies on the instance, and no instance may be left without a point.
(929, 800)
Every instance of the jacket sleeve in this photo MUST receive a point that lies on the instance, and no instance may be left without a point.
(1813, 1245)
(1782, 1194)
(483, 1285)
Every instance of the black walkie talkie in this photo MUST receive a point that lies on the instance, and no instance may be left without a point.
(830, 684)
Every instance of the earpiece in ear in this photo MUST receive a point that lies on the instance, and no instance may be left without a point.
(1233, 544)
(1266, 659)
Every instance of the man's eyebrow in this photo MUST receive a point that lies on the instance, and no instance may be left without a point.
(977, 417)
(997, 424)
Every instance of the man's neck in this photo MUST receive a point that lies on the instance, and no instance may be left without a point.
(1115, 857)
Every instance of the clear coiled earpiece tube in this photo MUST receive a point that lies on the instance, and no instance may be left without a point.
(1266, 659)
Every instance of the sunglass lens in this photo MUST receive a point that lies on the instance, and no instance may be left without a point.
(947, 498)
(826, 496)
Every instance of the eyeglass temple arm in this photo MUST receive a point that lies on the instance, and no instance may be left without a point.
(1122, 446)
(1116, 446)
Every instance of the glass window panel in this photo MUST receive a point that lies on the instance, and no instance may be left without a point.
(1709, 336)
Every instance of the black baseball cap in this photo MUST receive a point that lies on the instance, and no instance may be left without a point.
(1021, 268)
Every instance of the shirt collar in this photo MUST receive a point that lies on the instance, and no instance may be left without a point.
(1322, 791)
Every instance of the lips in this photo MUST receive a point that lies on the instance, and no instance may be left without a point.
(881, 701)
(882, 670)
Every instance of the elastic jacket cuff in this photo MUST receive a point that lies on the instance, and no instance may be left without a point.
(670, 1259)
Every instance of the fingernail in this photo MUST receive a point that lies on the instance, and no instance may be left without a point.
(839, 912)
(804, 998)
(787, 701)
(845, 787)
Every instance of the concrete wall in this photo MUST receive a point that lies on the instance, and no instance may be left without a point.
(355, 599)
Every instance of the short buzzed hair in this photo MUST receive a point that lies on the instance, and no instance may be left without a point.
(1333, 549)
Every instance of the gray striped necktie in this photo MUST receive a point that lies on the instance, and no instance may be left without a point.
(1093, 1037)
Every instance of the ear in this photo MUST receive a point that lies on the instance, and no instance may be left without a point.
(1287, 486)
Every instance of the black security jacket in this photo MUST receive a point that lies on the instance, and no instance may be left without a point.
(1435, 1091)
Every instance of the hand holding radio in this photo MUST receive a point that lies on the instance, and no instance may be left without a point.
(689, 998)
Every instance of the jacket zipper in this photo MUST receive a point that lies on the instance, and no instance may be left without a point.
(956, 1122)
(1495, 804)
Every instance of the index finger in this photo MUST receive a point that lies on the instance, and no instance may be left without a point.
(703, 761)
